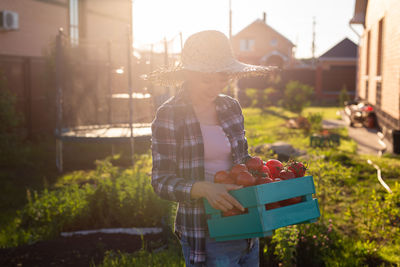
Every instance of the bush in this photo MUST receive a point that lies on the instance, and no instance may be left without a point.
(343, 96)
(262, 98)
(315, 120)
(107, 197)
(297, 96)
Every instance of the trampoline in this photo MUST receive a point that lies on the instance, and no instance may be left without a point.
(99, 95)
(94, 98)
(107, 133)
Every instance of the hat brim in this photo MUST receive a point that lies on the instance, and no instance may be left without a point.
(174, 76)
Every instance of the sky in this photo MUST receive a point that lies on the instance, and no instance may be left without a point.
(154, 20)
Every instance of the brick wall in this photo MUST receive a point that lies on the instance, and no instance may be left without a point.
(36, 31)
(389, 10)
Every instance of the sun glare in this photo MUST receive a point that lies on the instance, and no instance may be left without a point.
(154, 20)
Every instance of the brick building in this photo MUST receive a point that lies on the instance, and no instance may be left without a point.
(90, 25)
(260, 44)
(335, 70)
(378, 77)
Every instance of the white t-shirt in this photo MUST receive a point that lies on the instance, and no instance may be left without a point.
(217, 150)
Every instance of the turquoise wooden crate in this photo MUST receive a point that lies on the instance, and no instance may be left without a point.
(259, 222)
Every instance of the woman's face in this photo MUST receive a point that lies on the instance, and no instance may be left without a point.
(207, 86)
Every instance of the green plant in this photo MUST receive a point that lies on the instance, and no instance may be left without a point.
(106, 197)
(297, 96)
(286, 240)
(262, 98)
(343, 96)
(315, 120)
(380, 216)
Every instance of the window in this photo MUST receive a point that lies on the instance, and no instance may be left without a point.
(368, 48)
(246, 44)
(273, 42)
(378, 93)
(380, 50)
(74, 22)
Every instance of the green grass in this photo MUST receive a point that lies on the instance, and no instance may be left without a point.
(268, 126)
(329, 113)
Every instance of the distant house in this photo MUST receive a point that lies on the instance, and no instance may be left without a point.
(259, 43)
(378, 77)
(336, 69)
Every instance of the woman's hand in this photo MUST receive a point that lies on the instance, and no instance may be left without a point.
(217, 195)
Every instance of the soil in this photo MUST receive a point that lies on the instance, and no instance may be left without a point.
(78, 250)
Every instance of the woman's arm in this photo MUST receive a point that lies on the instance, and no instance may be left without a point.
(165, 181)
(217, 195)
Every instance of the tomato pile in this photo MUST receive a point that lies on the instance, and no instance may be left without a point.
(256, 172)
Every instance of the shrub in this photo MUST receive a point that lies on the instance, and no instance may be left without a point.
(315, 120)
(262, 98)
(343, 96)
(297, 96)
(306, 244)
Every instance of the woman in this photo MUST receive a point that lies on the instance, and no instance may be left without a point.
(195, 134)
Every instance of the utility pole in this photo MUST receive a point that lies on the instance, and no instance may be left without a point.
(130, 89)
(313, 42)
(231, 87)
(230, 19)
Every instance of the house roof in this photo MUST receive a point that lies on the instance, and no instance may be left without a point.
(269, 28)
(344, 49)
(360, 9)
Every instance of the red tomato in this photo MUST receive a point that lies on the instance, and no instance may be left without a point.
(264, 169)
(254, 163)
(231, 212)
(245, 178)
(222, 177)
(298, 168)
(286, 174)
(266, 180)
(290, 201)
(274, 166)
(237, 169)
(272, 206)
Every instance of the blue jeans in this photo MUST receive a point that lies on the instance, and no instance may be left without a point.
(226, 253)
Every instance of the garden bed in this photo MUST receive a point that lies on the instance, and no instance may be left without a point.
(76, 250)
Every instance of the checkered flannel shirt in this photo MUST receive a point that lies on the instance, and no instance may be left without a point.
(178, 160)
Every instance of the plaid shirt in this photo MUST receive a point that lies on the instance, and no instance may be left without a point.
(178, 160)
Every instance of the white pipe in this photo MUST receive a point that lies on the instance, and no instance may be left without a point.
(129, 231)
(378, 170)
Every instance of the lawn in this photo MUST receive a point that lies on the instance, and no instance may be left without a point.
(359, 224)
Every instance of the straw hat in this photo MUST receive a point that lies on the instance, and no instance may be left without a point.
(207, 52)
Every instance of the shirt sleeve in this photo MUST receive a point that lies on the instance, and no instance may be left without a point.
(238, 110)
(164, 177)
